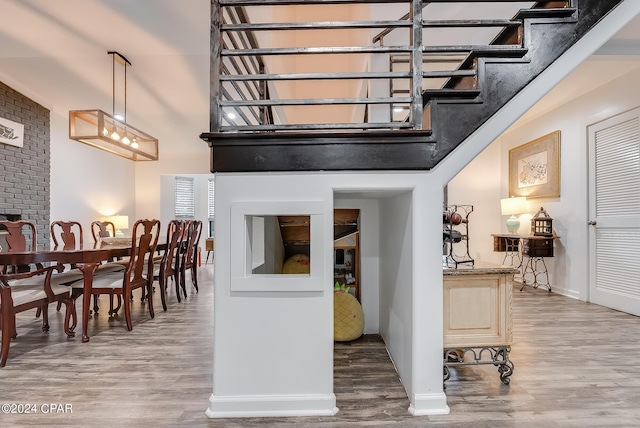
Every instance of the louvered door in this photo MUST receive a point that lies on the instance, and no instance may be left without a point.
(614, 212)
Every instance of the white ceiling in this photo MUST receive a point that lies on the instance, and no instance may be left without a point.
(56, 53)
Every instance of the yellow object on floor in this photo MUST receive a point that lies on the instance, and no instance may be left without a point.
(297, 264)
(348, 317)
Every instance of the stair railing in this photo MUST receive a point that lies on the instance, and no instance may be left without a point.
(247, 82)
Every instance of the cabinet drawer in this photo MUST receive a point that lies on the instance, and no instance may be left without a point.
(503, 244)
(537, 247)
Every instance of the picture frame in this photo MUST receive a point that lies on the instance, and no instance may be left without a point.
(534, 168)
(11, 133)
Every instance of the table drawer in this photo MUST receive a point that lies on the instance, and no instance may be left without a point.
(537, 247)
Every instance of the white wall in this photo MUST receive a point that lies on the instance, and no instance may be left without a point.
(396, 280)
(87, 184)
(166, 205)
(569, 268)
(477, 185)
(369, 257)
(270, 245)
(486, 179)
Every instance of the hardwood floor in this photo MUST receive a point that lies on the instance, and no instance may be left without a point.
(576, 365)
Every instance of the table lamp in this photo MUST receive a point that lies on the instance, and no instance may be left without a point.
(512, 206)
(119, 222)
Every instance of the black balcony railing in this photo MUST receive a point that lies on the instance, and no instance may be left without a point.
(312, 65)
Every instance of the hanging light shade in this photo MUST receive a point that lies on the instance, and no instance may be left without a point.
(102, 130)
(98, 129)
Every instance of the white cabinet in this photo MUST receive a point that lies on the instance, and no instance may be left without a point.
(477, 314)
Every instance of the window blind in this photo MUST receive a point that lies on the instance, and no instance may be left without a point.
(184, 197)
(210, 199)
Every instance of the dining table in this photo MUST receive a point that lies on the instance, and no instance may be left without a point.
(86, 258)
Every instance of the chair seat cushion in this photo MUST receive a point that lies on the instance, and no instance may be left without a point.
(75, 275)
(26, 293)
(117, 266)
(66, 277)
(106, 280)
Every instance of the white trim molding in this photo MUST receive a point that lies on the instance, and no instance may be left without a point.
(429, 404)
(254, 406)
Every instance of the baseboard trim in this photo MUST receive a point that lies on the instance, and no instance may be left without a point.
(429, 404)
(253, 406)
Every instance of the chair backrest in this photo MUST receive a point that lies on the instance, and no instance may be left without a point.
(193, 237)
(144, 240)
(66, 233)
(174, 240)
(17, 236)
(100, 229)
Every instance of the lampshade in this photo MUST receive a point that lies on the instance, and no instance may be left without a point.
(120, 222)
(99, 129)
(102, 130)
(512, 206)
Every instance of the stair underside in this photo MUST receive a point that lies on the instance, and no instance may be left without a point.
(313, 151)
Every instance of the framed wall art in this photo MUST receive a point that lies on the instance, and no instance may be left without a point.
(11, 132)
(534, 168)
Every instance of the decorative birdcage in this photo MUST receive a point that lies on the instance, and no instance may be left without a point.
(542, 224)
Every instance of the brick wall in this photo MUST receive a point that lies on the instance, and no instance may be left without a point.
(25, 171)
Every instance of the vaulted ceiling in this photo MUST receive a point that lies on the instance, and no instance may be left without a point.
(56, 53)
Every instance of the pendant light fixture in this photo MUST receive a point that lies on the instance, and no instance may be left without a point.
(111, 132)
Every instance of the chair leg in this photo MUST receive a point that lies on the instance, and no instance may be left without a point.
(95, 303)
(149, 289)
(183, 281)
(8, 328)
(45, 318)
(75, 294)
(178, 275)
(162, 282)
(119, 297)
(127, 312)
(194, 276)
(70, 314)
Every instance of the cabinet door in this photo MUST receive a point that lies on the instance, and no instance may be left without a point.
(477, 310)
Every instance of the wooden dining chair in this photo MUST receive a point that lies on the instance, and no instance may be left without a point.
(169, 265)
(138, 272)
(67, 234)
(189, 259)
(106, 229)
(102, 229)
(22, 288)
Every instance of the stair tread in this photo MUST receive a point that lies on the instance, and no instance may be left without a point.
(471, 23)
(510, 51)
(559, 12)
(451, 93)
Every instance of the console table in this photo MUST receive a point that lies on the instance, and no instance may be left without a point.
(534, 271)
(477, 317)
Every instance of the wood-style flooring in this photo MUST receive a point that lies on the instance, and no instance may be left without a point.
(576, 365)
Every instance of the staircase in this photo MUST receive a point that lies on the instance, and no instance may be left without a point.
(486, 77)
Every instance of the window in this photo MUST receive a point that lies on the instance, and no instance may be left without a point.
(184, 198)
(278, 237)
(210, 206)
